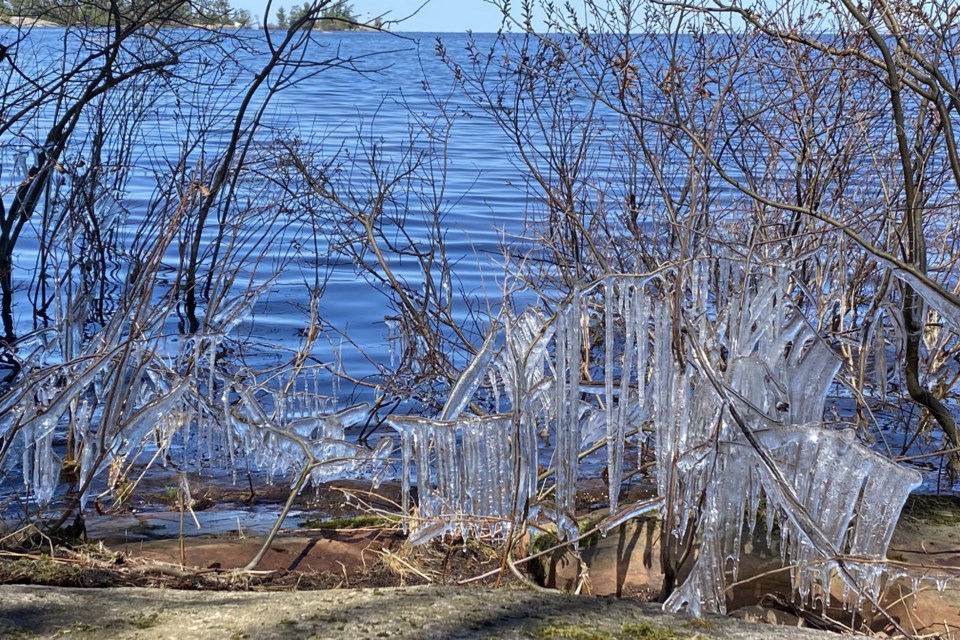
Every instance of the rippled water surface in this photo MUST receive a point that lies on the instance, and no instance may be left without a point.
(397, 88)
(366, 108)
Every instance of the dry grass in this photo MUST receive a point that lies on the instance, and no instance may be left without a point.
(440, 562)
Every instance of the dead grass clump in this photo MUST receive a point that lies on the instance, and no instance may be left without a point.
(95, 566)
(444, 561)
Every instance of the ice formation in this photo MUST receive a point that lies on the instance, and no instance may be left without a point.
(734, 380)
(120, 395)
(466, 474)
(834, 517)
(714, 358)
(479, 474)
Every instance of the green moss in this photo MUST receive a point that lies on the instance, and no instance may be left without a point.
(701, 623)
(647, 631)
(146, 621)
(939, 510)
(585, 523)
(362, 521)
(570, 632)
(647, 525)
(40, 569)
(543, 541)
(589, 522)
(629, 631)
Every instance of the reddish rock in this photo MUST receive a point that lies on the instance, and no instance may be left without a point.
(625, 562)
(344, 554)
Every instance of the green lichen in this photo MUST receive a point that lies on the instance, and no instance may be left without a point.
(701, 623)
(40, 569)
(570, 632)
(144, 528)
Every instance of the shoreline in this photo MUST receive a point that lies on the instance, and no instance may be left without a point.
(20, 22)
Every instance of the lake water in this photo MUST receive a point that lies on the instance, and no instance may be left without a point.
(402, 101)
(342, 113)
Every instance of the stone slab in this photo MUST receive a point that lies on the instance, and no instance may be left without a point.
(400, 613)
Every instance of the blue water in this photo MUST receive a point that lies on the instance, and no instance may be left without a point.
(400, 100)
(395, 110)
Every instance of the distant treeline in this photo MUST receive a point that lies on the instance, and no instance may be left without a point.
(338, 17)
(205, 12)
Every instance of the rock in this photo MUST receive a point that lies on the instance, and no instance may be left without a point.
(26, 22)
(756, 613)
(926, 543)
(345, 554)
(926, 612)
(400, 613)
(625, 562)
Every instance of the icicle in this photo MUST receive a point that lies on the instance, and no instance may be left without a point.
(470, 379)
(131, 434)
(426, 533)
(380, 458)
(668, 440)
(31, 349)
(236, 310)
(332, 426)
(494, 388)
(880, 359)
(472, 486)
(56, 406)
(946, 304)
(613, 434)
(568, 404)
(643, 320)
(828, 493)
(941, 580)
(615, 437)
(88, 453)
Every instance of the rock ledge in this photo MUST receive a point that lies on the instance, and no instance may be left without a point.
(412, 612)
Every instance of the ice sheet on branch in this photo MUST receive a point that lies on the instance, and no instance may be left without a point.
(473, 474)
(759, 374)
(944, 301)
(836, 502)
